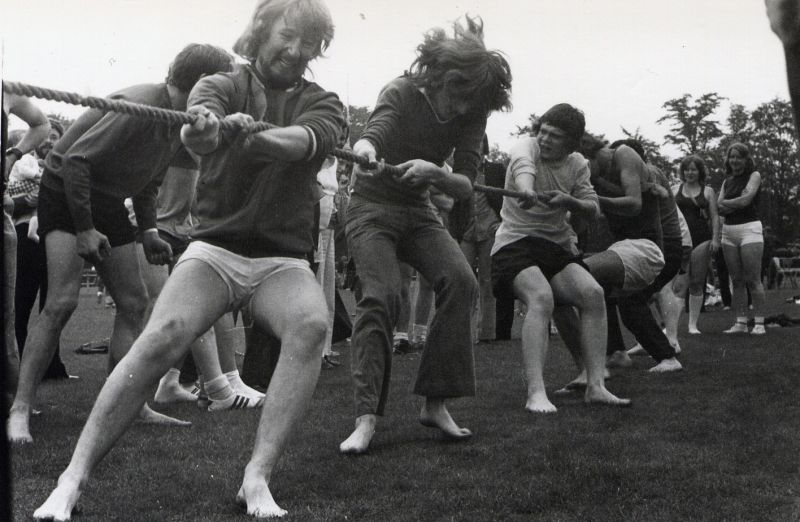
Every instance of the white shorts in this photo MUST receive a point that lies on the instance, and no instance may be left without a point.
(242, 275)
(738, 235)
(643, 261)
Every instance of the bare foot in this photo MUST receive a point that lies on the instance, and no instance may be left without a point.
(256, 499)
(434, 414)
(173, 392)
(619, 359)
(17, 426)
(61, 502)
(539, 403)
(600, 395)
(358, 441)
(667, 365)
(637, 350)
(149, 416)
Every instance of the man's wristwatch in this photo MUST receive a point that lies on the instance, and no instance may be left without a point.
(15, 152)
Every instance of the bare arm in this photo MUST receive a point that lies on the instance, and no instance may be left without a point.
(716, 225)
(749, 192)
(631, 175)
(38, 126)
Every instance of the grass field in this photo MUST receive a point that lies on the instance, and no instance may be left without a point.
(718, 441)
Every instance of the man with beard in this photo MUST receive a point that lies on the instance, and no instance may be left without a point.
(255, 209)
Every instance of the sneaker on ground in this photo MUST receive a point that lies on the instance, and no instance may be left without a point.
(758, 330)
(234, 402)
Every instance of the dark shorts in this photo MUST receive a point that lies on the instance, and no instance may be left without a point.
(109, 215)
(178, 244)
(515, 257)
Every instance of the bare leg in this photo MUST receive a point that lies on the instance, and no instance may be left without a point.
(575, 286)
(290, 304)
(167, 336)
(698, 271)
(63, 277)
(531, 286)
(11, 378)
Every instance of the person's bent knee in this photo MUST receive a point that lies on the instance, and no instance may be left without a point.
(132, 304)
(310, 328)
(593, 298)
(164, 338)
(60, 307)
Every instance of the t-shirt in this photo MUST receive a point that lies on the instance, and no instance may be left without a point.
(571, 176)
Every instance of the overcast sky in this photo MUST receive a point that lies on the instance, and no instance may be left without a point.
(617, 60)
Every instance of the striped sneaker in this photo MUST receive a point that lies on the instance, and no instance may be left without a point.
(235, 402)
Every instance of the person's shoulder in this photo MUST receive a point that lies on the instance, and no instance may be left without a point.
(145, 93)
(400, 87)
(577, 162)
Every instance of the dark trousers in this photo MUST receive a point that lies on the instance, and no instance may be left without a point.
(380, 237)
(722, 275)
(32, 281)
(637, 316)
(504, 318)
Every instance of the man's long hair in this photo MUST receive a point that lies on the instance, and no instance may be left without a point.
(463, 67)
(312, 17)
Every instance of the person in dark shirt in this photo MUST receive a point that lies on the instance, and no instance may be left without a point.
(438, 108)
(742, 235)
(239, 257)
(101, 160)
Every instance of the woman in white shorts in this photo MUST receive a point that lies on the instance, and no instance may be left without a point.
(742, 237)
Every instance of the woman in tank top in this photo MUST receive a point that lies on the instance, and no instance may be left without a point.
(698, 204)
(742, 236)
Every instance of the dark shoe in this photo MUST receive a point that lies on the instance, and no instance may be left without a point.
(401, 347)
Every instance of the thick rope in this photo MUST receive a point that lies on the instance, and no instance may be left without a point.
(173, 117)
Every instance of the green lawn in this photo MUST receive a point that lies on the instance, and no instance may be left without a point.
(718, 441)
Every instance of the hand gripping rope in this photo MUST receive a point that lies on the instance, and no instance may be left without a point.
(177, 117)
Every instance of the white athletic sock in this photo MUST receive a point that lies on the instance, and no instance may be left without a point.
(218, 389)
(400, 336)
(239, 386)
(419, 332)
(695, 305)
(759, 320)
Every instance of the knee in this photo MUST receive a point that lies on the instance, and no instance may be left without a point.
(593, 298)
(162, 336)
(539, 301)
(460, 281)
(310, 328)
(132, 303)
(60, 307)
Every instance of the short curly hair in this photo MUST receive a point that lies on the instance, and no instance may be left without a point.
(196, 61)
(567, 118)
